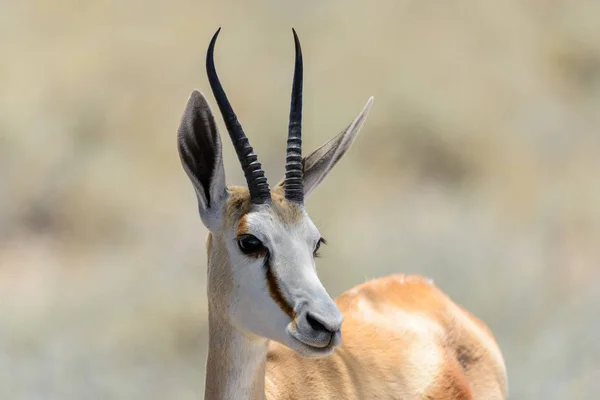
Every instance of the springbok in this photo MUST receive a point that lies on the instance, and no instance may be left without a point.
(274, 331)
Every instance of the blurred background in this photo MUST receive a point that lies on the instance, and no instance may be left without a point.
(478, 167)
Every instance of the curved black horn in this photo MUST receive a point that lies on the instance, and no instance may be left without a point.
(294, 188)
(255, 176)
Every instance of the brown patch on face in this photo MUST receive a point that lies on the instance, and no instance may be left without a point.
(242, 226)
(239, 205)
(277, 296)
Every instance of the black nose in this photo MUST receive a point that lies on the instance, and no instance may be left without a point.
(322, 325)
(316, 324)
(319, 329)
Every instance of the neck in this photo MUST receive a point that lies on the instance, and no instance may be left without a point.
(235, 367)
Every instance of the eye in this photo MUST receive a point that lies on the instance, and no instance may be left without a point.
(318, 246)
(250, 244)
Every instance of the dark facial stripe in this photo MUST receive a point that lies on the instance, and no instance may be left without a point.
(275, 292)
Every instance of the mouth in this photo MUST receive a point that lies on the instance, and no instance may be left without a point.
(311, 348)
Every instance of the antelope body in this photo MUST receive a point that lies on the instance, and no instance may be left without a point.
(274, 332)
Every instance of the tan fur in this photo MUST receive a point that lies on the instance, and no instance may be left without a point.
(402, 338)
(242, 226)
(239, 204)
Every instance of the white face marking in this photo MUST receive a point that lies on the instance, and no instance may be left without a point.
(290, 260)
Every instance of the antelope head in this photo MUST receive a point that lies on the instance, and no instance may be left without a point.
(262, 244)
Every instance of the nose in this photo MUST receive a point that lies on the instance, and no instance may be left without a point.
(319, 329)
(320, 324)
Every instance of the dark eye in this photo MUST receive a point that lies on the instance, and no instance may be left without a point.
(318, 246)
(249, 244)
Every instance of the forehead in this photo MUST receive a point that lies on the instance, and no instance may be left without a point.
(241, 216)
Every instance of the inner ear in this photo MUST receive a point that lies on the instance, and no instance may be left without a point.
(200, 151)
(199, 148)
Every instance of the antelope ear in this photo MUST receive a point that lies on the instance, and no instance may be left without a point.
(320, 162)
(199, 146)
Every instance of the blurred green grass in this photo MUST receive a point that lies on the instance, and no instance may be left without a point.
(477, 167)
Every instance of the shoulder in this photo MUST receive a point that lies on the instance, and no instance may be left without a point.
(409, 292)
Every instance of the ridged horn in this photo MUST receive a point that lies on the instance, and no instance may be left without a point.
(255, 176)
(293, 186)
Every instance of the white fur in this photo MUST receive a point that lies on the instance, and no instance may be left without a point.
(291, 248)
